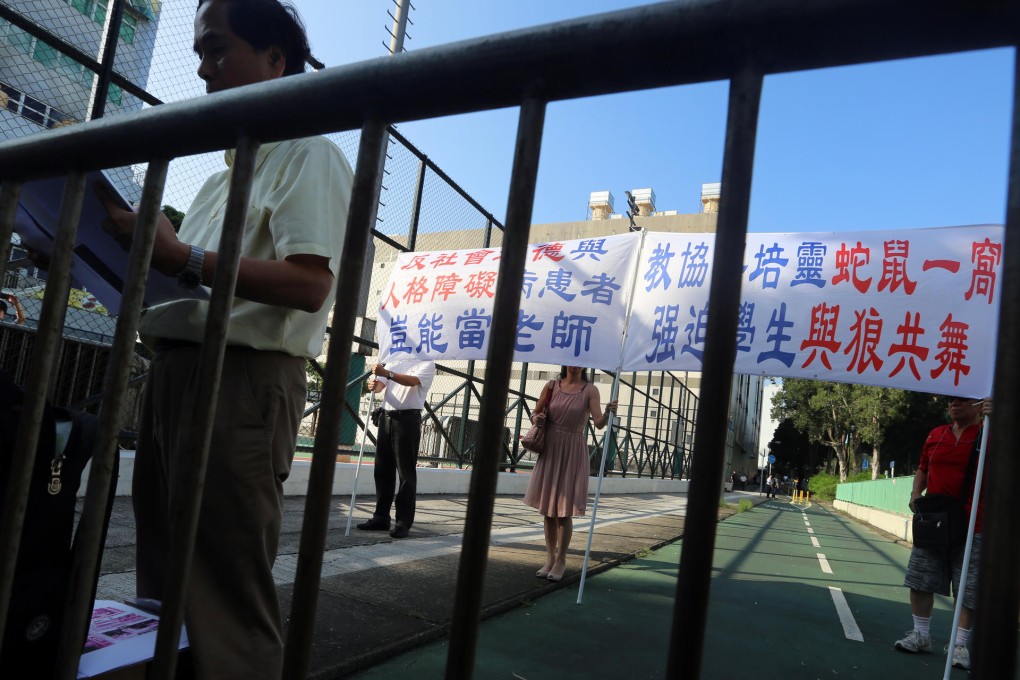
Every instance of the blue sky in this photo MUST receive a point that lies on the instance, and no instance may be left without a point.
(907, 144)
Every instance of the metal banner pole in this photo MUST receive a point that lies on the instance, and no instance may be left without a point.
(970, 545)
(609, 424)
(357, 469)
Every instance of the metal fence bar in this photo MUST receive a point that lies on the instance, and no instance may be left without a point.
(9, 192)
(92, 527)
(994, 649)
(109, 54)
(360, 220)
(214, 343)
(499, 362)
(419, 191)
(44, 363)
(691, 606)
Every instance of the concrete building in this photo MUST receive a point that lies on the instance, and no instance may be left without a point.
(42, 86)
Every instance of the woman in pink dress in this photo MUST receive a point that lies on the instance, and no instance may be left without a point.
(559, 484)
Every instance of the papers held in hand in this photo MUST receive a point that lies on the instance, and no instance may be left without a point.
(100, 263)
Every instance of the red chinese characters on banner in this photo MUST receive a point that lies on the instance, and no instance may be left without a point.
(867, 330)
(417, 289)
(446, 285)
(908, 351)
(911, 352)
(985, 256)
(894, 267)
(478, 256)
(952, 348)
(553, 251)
(822, 335)
(848, 262)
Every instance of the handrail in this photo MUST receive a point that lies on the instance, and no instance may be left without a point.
(645, 47)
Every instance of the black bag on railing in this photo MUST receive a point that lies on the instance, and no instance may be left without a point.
(42, 575)
(940, 522)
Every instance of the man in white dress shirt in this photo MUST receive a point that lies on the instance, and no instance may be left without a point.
(406, 384)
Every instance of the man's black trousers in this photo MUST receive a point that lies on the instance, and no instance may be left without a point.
(397, 452)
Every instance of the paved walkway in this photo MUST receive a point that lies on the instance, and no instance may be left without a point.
(796, 593)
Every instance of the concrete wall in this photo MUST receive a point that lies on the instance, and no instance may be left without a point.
(893, 523)
(430, 481)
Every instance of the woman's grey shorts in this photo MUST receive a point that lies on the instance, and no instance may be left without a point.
(928, 571)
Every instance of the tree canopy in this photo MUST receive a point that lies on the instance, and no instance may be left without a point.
(859, 420)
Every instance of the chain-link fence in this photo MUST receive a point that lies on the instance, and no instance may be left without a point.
(52, 59)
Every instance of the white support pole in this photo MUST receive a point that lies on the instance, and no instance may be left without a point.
(357, 469)
(970, 545)
(614, 392)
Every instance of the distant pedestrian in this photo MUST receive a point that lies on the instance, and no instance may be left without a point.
(743, 481)
(770, 487)
(11, 302)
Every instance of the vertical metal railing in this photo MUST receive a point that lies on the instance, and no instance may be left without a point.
(360, 220)
(994, 649)
(499, 362)
(92, 527)
(214, 342)
(48, 337)
(690, 608)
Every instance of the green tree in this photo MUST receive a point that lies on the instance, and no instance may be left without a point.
(890, 423)
(880, 408)
(825, 412)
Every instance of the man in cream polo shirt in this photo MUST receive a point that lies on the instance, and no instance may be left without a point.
(285, 288)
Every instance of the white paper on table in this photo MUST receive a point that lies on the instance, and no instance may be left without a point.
(119, 635)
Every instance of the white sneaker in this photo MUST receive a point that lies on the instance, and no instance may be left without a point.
(914, 642)
(961, 656)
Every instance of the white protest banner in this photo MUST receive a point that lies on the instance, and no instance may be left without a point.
(914, 309)
(439, 305)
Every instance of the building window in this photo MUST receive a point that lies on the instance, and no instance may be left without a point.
(44, 54)
(83, 6)
(128, 26)
(116, 94)
(34, 110)
(69, 67)
(31, 108)
(20, 40)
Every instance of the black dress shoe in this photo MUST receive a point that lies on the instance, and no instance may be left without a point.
(374, 525)
(399, 531)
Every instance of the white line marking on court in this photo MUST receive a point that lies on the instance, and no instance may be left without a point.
(814, 542)
(846, 617)
(824, 562)
(810, 530)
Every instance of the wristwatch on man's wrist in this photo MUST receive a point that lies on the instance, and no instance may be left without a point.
(390, 375)
(191, 276)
